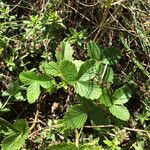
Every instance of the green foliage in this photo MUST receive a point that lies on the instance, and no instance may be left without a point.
(78, 79)
(98, 116)
(76, 37)
(69, 71)
(106, 56)
(16, 135)
(64, 52)
(35, 81)
(90, 147)
(120, 112)
(87, 70)
(88, 89)
(64, 146)
(113, 145)
(115, 102)
(71, 146)
(51, 68)
(75, 117)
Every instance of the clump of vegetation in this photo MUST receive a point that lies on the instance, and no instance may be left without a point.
(74, 75)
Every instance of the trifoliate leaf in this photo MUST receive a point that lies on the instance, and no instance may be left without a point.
(64, 52)
(120, 112)
(33, 92)
(35, 80)
(63, 146)
(69, 71)
(88, 70)
(15, 140)
(88, 90)
(121, 95)
(75, 117)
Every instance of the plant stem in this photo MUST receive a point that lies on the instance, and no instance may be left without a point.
(35, 119)
(76, 137)
(103, 74)
(6, 102)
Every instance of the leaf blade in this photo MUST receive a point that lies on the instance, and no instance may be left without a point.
(33, 92)
(75, 117)
(121, 112)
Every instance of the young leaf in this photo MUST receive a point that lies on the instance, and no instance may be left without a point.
(63, 146)
(33, 92)
(75, 117)
(88, 70)
(64, 52)
(120, 112)
(121, 95)
(69, 71)
(15, 140)
(88, 90)
(51, 68)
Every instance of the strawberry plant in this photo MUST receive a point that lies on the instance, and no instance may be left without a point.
(74, 75)
(87, 78)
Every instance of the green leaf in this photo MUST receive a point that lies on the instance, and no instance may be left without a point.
(88, 70)
(13, 88)
(98, 116)
(69, 71)
(105, 98)
(90, 147)
(75, 117)
(78, 64)
(112, 55)
(120, 112)
(50, 86)
(109, 75)
(51, 68)
(106, 56)
(33, 92)
(88, 90)
(63, 146)
(28, 77)
(121, 95)
(34, 80)
(108, 143)
(64, 52)
(94, 51)
(15, 140)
